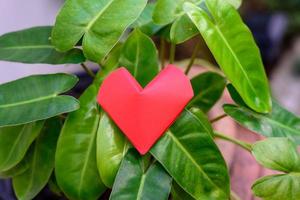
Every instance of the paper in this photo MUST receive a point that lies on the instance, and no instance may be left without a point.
(145, 114)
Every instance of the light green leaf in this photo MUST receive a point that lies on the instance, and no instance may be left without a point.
(36, 98)
(187, 151)
(139, 56)
(33, 46)
(41, 162)
(111, 148)
(15, 141)
(238, 57)
(208, 88)
(134, 182)
(101, 23)
(278, 187)
(279, 123)
(277, 154)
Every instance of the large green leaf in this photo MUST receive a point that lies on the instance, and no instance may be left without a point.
(278, 187)
(179, 194)
(208, 88)
(35, 98)
(100, 23)
(139, 56)
(277, 154)
(234, 48)
(15, 141)
(279, 123)
(41, 162)
(111, 148)
(189, 154)
(135, 182)
(33, 46)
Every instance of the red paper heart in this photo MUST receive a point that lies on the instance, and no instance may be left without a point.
(145, 114)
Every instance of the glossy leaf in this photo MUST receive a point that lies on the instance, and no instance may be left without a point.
(203, 119)
(111, 148)
(277, 154)
(278, 187)
(36, 98)
(187, 151)
(139, 56)
(134, 182)
(208, 88)
(75, 164)
(15, 141)
(179, 194)
(20, 168)
(238, 57)
(33, 46)
(100, 23)
(279, 123)
(41, 162)
(235, 96)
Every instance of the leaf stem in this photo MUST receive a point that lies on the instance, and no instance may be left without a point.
(87, 70)
(240, 143)
(172, 53)
(162, 52)
(218, 118)
(234, 196)
(192, 60)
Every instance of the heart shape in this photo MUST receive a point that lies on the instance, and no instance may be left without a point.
(145, 114)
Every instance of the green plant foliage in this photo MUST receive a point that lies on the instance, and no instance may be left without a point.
(21, 46)
(36, 98)
(278, 123)
(238, 57)
(41, 162)
(15, 141)
(20, 168)
(100, 22)
(189, 154)
(111, 148)
(136, 181)
(179, 194)
(139, 56)
(208, 88)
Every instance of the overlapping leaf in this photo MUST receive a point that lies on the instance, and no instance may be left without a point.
(36, 98)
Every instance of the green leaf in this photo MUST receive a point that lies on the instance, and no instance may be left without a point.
(111, 148)
(41, 162)
(133, 181)
(238, 57)
(36, 98)
(15, 141)
(208, 88)
(139, 56)
(75, 164)
(179, 194)
(277, 154)
(235, 3)
(235, 96)
(20, 168)
(187, 151)
(279, 123)
(33, 46)
(278, 187)
(101, 23)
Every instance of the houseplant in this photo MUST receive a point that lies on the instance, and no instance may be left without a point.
(83, 153)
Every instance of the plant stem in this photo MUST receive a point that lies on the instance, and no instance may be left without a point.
(162, 52)
(242, 144)
(234, 196)
(218, 118)
(172, 53)
(192, 60)
(87, 70)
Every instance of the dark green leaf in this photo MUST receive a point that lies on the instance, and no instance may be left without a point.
(41, 162)
(35, 98)
(239, 57)
(277, 154)
(189, 154)
(279, 123)
(133, 181)
(235, 96)
(203, 120)
(33, 46)
(100, 23)
(20, 168)
(208, 88)
(140, 57)
(278, 187)
(178, 193)
(111, 148)
(15, 141)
